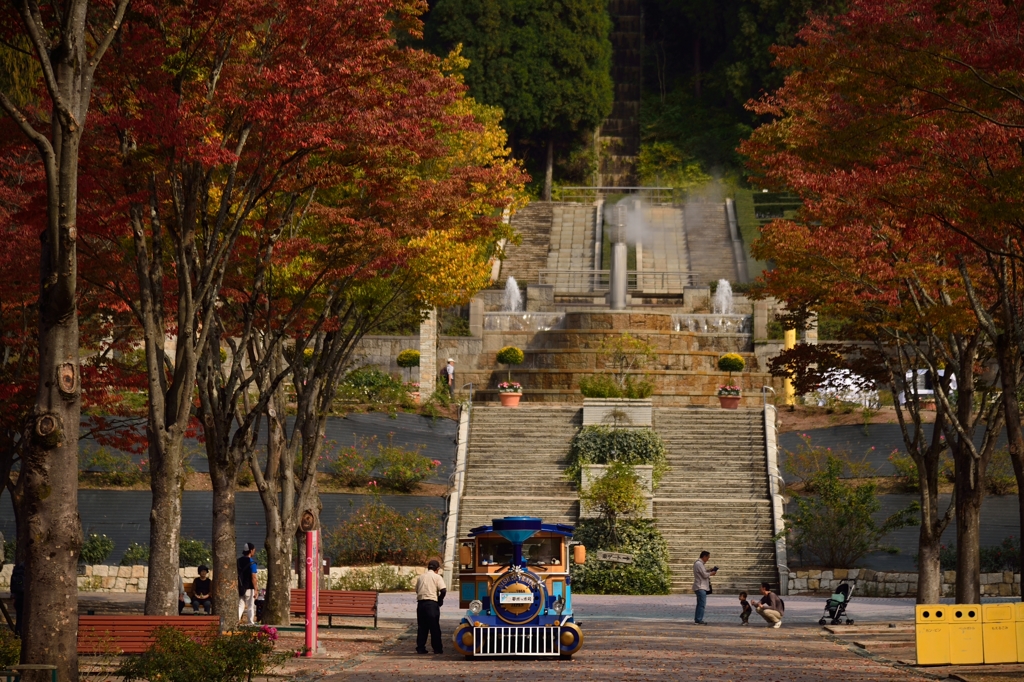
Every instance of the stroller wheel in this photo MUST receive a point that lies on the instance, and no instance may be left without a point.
(821, 622)
(836, 621)
(849, 621)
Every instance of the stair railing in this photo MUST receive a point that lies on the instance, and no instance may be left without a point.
(764, 395)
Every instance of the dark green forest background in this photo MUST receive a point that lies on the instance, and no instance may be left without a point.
(702, 61)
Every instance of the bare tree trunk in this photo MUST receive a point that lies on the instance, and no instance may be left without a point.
(166, 484)
(1009, 373)
(225, 545)
(277, 491)
(549, 168)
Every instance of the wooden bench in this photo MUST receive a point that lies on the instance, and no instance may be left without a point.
(339, 603)
(98, 635)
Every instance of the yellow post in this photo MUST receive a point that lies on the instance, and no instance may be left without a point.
(787, 387)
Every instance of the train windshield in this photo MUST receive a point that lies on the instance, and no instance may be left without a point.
(543, 551)
(494, 551)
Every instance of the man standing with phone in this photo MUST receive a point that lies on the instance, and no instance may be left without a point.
(702, 585)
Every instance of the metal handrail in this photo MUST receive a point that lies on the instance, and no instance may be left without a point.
(764, 395)
(656, 195)
(578, 281)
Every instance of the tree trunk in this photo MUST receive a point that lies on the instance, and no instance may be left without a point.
(968, 490)
(49, 468)
(277, 490)
(165, 453)
(225, 546)
(549, 168)
(1009, 373)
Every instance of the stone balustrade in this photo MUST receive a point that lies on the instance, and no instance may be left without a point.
(872, 583)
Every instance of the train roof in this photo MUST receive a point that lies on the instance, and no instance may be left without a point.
(558, 528)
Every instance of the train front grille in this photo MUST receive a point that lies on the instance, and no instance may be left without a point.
(516, 641)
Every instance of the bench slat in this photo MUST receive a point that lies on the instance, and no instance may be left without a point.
(134, 634)
(338, 603)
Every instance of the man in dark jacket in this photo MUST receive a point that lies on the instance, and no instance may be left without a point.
(247, 584)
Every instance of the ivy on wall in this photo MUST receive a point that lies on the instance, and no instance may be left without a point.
(602, 445)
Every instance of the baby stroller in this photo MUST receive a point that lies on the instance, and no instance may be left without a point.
(835, 606)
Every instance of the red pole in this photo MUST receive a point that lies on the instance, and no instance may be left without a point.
(312, 589)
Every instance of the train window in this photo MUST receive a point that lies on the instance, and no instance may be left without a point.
(543, 551)
(494, 551)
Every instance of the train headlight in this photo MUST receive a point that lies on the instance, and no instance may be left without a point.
(559, 606)
(476, 606)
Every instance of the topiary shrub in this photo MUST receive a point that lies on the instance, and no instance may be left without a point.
(603, 445)
(649, 572)
(96, 548)
(510, 355)
(731, 362)
(410, 357)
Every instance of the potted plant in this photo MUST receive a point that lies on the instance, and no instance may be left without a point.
(510, 355)
(510, 392)
(409, 357)
(729, 395)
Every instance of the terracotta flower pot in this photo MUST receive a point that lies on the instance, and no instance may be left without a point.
(510, 399)
(729, 402)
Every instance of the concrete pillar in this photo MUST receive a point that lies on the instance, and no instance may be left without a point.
(476, 316)
(429, 369)
(617, 286)
(760, 320)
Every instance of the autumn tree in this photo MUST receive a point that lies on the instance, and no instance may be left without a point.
(911, 170)
(68, 41)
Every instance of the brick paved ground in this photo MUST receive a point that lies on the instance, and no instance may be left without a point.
(652, 638)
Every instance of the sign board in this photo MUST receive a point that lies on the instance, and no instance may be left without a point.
(516, 598)
(614, 557)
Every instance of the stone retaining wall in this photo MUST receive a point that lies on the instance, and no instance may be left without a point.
(102, 578)
(894, 584)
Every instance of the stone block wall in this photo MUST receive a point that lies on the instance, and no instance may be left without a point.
(894, 584)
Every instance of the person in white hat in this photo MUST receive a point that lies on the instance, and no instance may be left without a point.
(449, 371)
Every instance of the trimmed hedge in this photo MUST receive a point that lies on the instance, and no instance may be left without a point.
(649, 572)
(595, 445)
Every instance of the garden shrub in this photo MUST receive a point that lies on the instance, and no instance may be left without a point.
(380, 578)
(96, 548)
(379, 534)
(649, 572)
(351, 467)
(179, 657)
(372, 387)
(600, 386)
(809, 460)
(834, 527)
(400, 469)
(10, 647)
(617, 493)
(194, 553)
(136, 555)
(603, 445)
(108, 467)
(994, 559)
(10, 550)
(906, 471)
(999, 476)
(410, 357)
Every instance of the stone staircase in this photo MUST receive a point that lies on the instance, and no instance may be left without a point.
(708, 241)
(572, 244)
(514, 465)
(524, 262)
(715, 496)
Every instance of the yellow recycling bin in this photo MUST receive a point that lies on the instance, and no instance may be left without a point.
(1019, 609)
(999, 633)
(932, 634)
(965, 643)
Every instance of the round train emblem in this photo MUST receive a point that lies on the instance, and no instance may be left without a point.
(517, 597)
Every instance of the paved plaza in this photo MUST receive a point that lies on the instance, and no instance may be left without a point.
(653, 638)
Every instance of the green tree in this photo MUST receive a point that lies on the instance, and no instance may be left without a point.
(548, 65)
(618, 492)
(835, 526)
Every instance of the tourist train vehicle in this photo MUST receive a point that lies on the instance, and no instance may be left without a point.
(514, 582)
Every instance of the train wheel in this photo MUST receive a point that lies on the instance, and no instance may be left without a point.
(565, 657)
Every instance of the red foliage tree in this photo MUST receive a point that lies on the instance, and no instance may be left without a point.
(900, 128)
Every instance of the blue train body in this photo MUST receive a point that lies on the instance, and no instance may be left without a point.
(515, 585)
